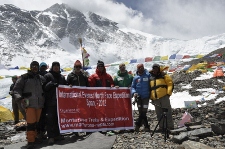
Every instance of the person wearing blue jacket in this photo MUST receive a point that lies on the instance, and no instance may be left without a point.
(141, 92)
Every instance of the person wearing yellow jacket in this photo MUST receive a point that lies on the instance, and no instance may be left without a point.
(161, 87)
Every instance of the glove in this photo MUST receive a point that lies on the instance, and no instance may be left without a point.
(24, 103)
(135, 95)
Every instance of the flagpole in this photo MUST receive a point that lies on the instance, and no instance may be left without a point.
(80, 41)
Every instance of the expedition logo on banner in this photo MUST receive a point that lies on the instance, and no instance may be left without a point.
(90, 109)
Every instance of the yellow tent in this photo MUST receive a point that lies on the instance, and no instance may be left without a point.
(5, 114)
(199, 66)
(20, 115)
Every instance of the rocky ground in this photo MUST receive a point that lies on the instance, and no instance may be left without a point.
(207, 128)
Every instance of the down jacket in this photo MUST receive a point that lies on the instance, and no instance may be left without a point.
(29, 86)
(77, 79)
(123, 79)
(100, 79)
(53, 79)
(141, 85)
(160, 85)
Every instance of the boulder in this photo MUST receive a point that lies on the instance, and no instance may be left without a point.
(183, 136)
(195, 145)
(218, 128)
(202, 133)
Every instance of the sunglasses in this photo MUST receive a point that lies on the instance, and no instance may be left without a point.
(122, 66)
(140, 68)
(77, 67)
(34, 66)
(100, 66)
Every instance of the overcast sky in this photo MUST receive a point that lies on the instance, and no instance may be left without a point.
(181, 19)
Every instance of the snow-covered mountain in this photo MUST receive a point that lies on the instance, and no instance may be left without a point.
(54, 32)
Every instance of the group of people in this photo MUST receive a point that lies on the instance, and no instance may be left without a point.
(34, 94)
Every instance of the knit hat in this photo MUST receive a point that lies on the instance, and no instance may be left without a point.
(43, 64)
(77, 63)
(100, 63)
(139, 66)
(122, 64)
(34, 63)
(55, 63)
(156, 65)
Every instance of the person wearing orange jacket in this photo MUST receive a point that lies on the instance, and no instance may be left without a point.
(161, 87)
(100, 78)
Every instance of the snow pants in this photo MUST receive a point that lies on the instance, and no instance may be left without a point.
(164, 102)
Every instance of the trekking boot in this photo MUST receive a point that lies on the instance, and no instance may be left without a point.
(147, 129)
(16, 122)
(30, 145)
(59, 138)
(38, 138)
(51, 141)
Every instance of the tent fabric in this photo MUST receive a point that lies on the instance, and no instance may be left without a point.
(148, 59)
(85, 68)
(5, 114)
(164, 58)
(141, 60)
(2, 66)
(186, 56)
(219, 55)
(179, 56)
(172, 56)
(186, 67)
(126, 63)
(107, 65)
(214, 55)
(199, 56)
(114, 64)
(133, 61)
(218, 73)
(219, 63)
(157, 58)
(23, 68)
(67, 69)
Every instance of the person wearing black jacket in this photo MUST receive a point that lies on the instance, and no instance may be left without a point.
(54, 78)
(42, 122)
(77, 77)
(16, 106)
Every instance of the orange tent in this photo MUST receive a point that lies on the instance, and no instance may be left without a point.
(218, 72)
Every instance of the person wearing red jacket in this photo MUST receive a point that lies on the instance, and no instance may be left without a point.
(100, 78)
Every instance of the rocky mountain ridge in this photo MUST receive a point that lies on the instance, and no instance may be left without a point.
(54, 32)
